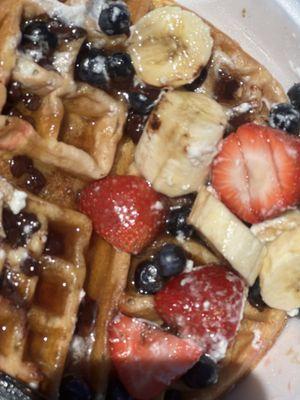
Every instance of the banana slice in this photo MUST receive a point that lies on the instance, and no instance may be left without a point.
(269, 230)
(280, 274)
(179, 142)
(169, 46)
(228, 235)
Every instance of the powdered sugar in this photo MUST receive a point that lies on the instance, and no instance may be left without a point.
(256, 342)
(17, 202)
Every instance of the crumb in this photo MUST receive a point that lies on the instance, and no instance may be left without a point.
(244, 12)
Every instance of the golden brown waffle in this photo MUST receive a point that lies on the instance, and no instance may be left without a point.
(38, 312)
(70, 144)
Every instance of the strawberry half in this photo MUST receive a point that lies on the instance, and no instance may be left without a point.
(257, 172)
(205, 305)
(146, 358)
(125, 211)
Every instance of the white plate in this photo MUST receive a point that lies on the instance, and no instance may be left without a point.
(269, 31)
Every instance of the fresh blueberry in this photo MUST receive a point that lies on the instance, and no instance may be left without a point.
(140, 103)
(202, 374)
(90, 67)
(119, 65)
(116, 391)
(115, 19)
(254, 296)
(37, 40)
(171, 260)
(286, 117)
(294, 95)
(172, 394)
(147, 279)
(73, 388)
(177, 222)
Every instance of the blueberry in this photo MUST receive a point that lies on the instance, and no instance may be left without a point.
(254, 296)
(119, 65)
(173, 394)
(90, 67)
(202, 374)
(294, 95)
(115, 19)
(286, 117)
(147, 279)
(38, 40)
(177, 222)
(140, 103)
(73, 388)
(116, 391)
(171, 260)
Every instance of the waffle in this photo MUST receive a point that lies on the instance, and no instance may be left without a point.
(57, 105)
(73, 135)
(38, 310)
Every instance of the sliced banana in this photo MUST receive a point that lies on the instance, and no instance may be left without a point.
(269, 230)
(179, 142)
(280, 273)
(228, 235)
(169, 46)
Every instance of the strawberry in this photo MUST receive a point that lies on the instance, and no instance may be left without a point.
(125, 211)
(146, 358)
(205, 305)
(257, 172)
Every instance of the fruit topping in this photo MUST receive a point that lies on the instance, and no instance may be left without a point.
(286, 117)
(177, 222)
(171, 260)
(119, 66)
(294, 95)
(169, 46)
(147, 279)
(140, 103)
(74, 388)
(37, 40)
(125, 211)
(280, 272)
(116, 390)
(91, 66)
(254, 296)
(228, 235)
(202, 374)
(146, 358)
(19, 228)
(173, 156)
(205, 305)
(115, 19)
(239, 172)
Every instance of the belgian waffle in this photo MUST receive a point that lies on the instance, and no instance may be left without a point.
(73, 133)
(40, 287)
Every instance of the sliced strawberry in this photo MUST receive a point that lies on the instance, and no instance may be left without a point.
(257, 172)
(205, 305)
(264, 186)
(230, 178)
(146, 358)
(125, 211)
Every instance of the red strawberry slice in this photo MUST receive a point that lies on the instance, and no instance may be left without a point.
(205, 305)
(257, 172)
(146, 358)
(125, 211)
